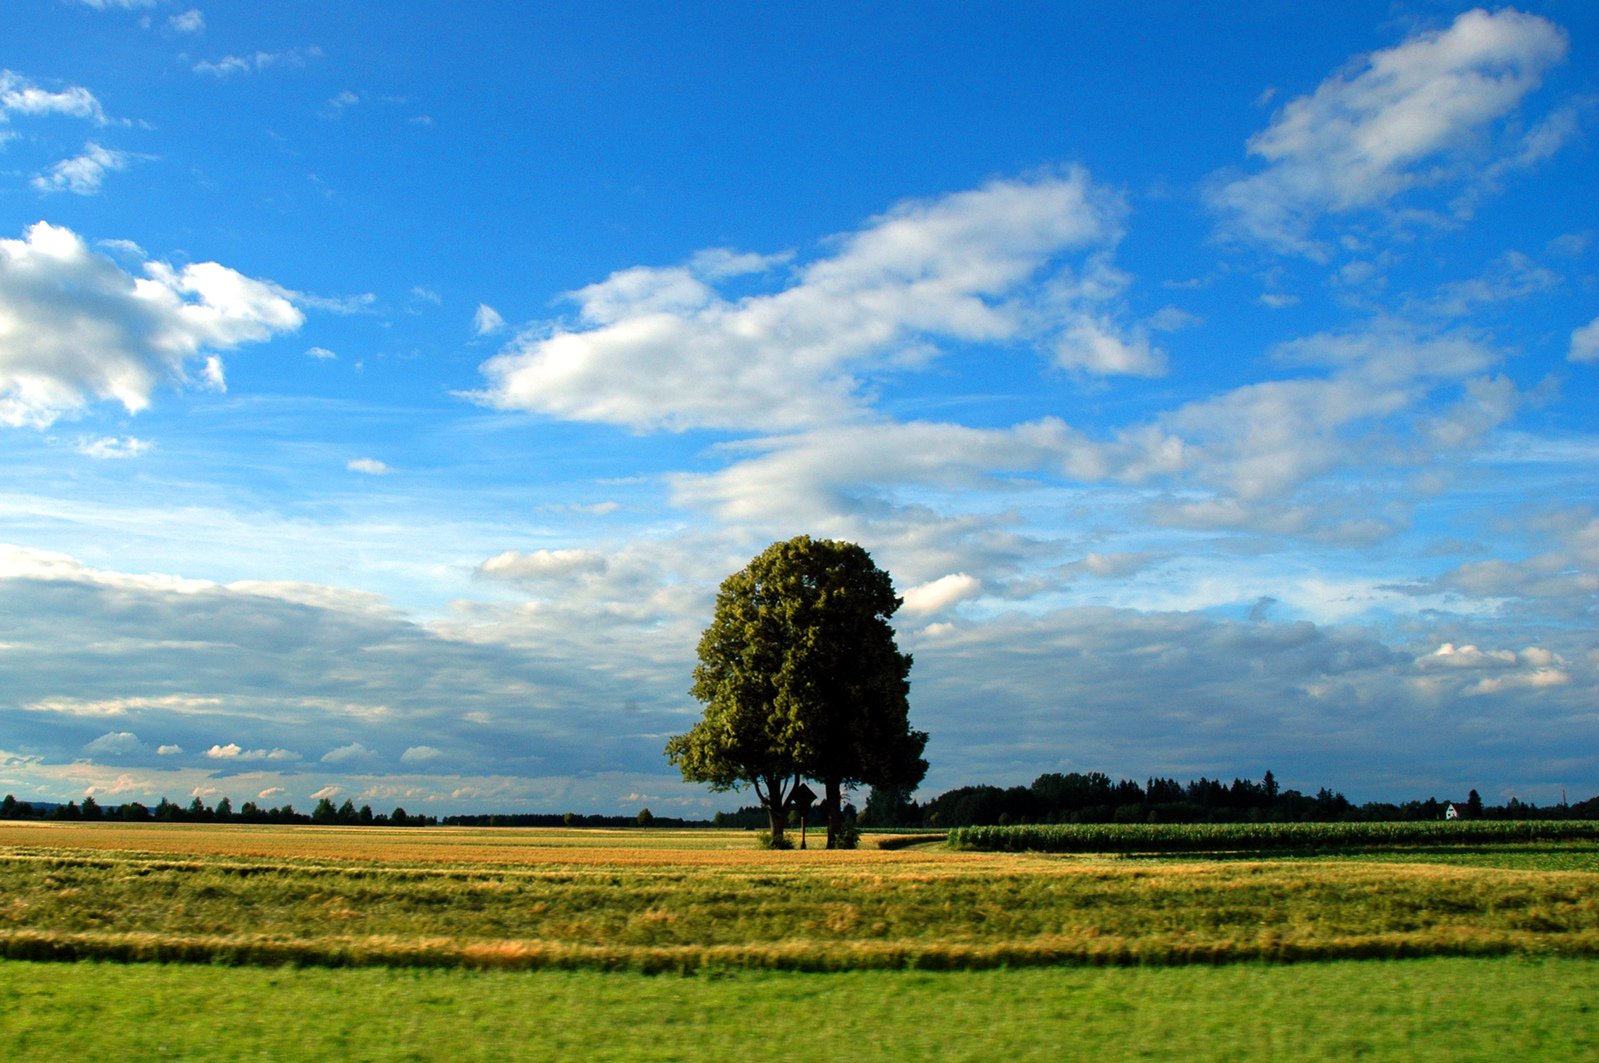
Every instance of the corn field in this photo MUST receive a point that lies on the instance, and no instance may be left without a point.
(1262, 837)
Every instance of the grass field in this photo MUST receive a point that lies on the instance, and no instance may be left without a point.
(1450, 1010)
(393, 944)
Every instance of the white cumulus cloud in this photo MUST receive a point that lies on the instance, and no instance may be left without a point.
(939, 594)
(367, 466)
(114, 743)
(82, 174)
(1096, 346)
(1448, 655)
(75, 327)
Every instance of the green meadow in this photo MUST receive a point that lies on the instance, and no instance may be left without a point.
(190, 941)
(1423, 1009)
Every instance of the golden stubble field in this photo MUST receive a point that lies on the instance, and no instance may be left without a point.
(688, 900)
(465, 846)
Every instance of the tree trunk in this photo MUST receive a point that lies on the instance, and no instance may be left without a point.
(776, 801)
(835, 814)
(775, 817)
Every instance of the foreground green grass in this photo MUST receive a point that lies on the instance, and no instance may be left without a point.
(1433, 1009)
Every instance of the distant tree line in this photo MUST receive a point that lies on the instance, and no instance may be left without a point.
(197, 811)
(1051, 798)
(644, 818)
(1094, 798)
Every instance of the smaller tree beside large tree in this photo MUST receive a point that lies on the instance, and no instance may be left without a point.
(801, 678)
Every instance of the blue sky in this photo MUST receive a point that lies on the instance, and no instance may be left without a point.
(384, 392)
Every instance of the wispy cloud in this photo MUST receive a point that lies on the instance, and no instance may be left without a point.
(20, 96)
(487, 320)
(82, 174)
(336, 106)
(1231, 460)
(1513, 276)
(179, 704)
(362, 303)
(662, 348)
(190, 21)
(421, 755)
(114, 447)
(1409, 117)
(1585, 342)
(541, 566)
(233, 751)
(256, 62)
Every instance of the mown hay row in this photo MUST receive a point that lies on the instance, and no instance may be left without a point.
(1162, 950)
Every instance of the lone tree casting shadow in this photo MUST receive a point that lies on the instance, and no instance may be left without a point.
(801, 679)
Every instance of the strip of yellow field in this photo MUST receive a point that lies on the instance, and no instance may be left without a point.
(526, 846)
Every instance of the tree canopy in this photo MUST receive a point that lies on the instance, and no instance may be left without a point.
(801, 678)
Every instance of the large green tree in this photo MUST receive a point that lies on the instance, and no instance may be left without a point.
(801, 678)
